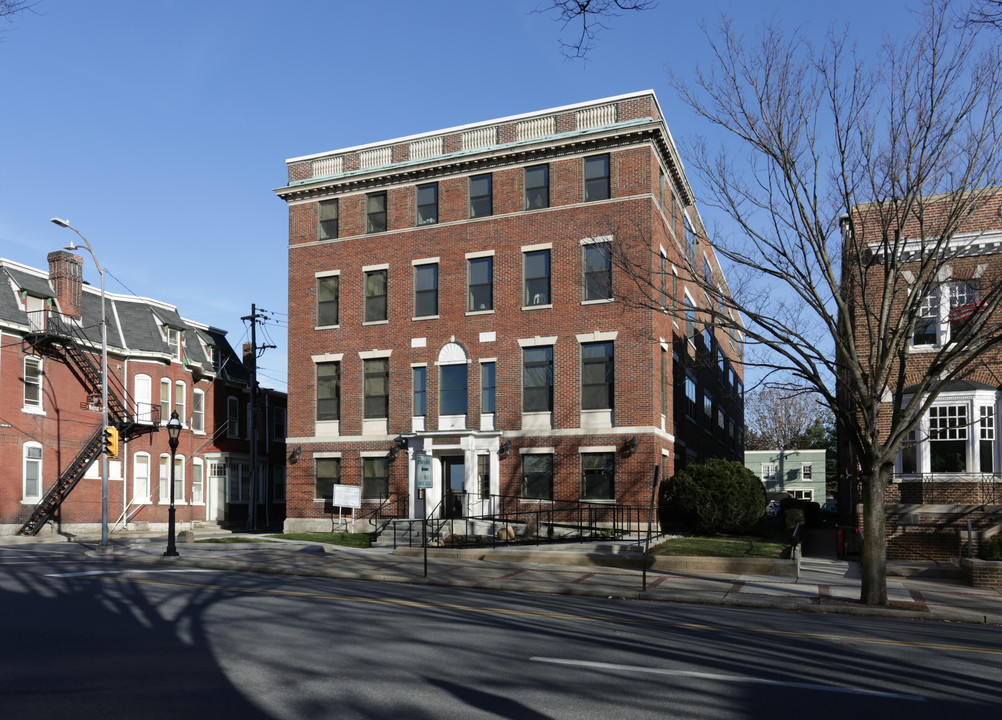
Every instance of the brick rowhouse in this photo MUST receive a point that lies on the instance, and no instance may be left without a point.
(453, 304)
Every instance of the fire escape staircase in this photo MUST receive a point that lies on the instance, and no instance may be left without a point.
(56, 336)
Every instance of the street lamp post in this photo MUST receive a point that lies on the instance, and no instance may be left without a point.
(173, 431)
(104, 380)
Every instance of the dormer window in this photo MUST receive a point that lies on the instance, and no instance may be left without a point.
(174, 342)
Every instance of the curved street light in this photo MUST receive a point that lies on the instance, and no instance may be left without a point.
(173, 433)
(104, 378)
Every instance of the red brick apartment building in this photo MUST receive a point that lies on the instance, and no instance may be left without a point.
(457, 320)
(948, 473)
(158, 362)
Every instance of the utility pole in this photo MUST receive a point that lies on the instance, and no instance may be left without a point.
(251, 416)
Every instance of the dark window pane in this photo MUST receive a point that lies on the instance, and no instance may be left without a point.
(597, 376)
(597, 272)
(327, 300)
(537, 477)
(537, 277)
(328, 475)
(487, 387)
(420, 390)
(376, 389)
(328, 219)
(427, 204)
(375, 296)
(328, 391)
(481, 203)
(481, 284)
(537, 380)
(597, 472)
(425, 290)
(453, 390)
(537, 187)
(375, 478)
(597, 178)
(375, 213)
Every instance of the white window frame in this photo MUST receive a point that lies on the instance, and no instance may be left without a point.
(34, 448)
(141, 480)
(770, 472)
(197, 481)
(33, 405)
(181, 401)
(198, 412)
(143, 392)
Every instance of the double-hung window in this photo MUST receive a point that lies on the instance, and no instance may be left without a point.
(375, 296)
(420, 377)
(537, 187)
(806, 471)
(232, 417)
(597, 376)
(690, 397)
(328, 287)
(769, 471)
(33, 382)
(481, 284)
(426, 290)
(376, 389)
(174, 343)
(987, 439)
(537, 476)
(452, 389)
(328, 226)
(327, 475)
(596, 173)
(597, 265)
(488, 384)
(597, 473)
(165, 399)
(328, 391)
(481, 196)
(536, 271)
(537, 379)
(32, 484)
(945, 312)
(198, 411)
(375, 212)
(375, 478)
(427, 204)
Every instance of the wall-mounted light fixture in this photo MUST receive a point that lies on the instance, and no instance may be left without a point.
(294, 456)
(505, 450)
(399, 443)
(629, 446)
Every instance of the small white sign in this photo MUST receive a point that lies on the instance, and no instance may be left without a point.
(349, 496)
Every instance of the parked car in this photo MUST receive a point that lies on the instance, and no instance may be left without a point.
(829, 514)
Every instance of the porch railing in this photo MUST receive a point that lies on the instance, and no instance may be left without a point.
(949, 488)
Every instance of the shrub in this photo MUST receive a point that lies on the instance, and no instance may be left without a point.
(992, 548)
(718, 497)
(810, 512)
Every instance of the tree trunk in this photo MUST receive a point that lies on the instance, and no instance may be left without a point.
(873, 557)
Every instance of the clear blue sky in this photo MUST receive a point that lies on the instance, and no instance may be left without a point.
(159, 129)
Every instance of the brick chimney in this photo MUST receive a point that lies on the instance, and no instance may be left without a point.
(66, 276)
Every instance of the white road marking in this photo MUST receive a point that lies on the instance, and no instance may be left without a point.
(728, 678)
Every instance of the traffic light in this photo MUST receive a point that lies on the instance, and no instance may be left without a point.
(111, 441)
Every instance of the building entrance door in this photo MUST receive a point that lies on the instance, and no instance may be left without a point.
(453, 481)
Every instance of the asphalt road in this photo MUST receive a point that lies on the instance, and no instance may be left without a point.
(87, 638)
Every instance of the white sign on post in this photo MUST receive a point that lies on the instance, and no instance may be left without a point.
(422, 469)
(347, 496)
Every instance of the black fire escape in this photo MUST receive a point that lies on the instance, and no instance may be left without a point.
(59, 337)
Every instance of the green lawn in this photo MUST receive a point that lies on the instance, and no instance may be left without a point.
(722, 547)
(359, 540)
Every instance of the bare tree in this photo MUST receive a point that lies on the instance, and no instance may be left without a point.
(986, 12)
(839, 163)
(781, 418)
(10, 8)
(592, 16)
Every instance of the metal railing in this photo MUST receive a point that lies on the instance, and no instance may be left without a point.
(492, 520)
(952, 488)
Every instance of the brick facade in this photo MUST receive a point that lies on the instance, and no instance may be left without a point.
(51, 411)
(641, 216)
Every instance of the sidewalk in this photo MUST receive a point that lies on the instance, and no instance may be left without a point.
(824, 584)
